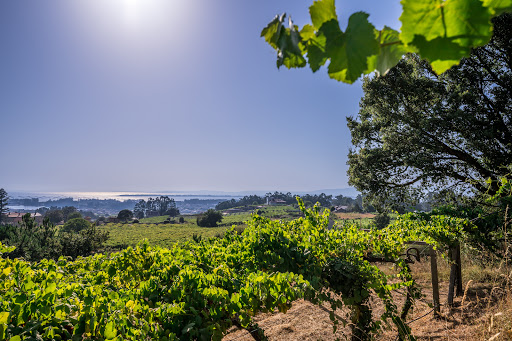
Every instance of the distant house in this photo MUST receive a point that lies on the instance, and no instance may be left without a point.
(232, 211)
(340, 208)
(16, 217)
(274, 202)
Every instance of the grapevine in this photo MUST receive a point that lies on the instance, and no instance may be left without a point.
(199, 290)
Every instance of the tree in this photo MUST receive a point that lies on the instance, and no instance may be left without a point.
(125, 215)
(442, 32)
(209, 219)
(419, 131)
(74, 215)
(66, 211)
(173, 212)
(4, 201)
(139, 209)
(164, 204)
(33, 241)
(76, 225)
(55, 216)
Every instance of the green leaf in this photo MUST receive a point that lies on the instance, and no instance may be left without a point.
(498, 6)
(464, 21)
(442, 53)
(390, 52)
(50, 287)
(307, 32)
(421, 17)
(468, 21)
(4, 317)
(290, 53)
(315, 47)
(110, 331)
(188, 328)
(272, 31)
(349, 51)
(321, 12)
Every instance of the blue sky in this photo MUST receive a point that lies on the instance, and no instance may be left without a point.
(152, 95)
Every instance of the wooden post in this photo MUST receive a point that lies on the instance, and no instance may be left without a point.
(435, 282)
(458, 289)
(453, 274)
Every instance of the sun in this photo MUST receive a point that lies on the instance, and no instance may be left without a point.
(137, 16)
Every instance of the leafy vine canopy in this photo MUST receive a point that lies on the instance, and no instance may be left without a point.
(441, 31)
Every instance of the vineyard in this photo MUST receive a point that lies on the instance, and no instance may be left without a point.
(198, 290)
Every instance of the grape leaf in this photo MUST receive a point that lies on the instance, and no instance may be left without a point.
(498, 6)
(307, 32)
(315, 45)
(442, 53)
(390, 52)
(467, 21)
(349, 51)
(272, 31)
(110, 331)
(321, 12)
(4, 317)
(289, 51)
(421, 17)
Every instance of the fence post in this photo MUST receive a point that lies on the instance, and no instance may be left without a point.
(452, 256)
(458, 289)
(435, 281)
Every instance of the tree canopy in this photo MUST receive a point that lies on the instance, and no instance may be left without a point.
(417, 130)
(162, 205)
(125, 215)
(76, 225)
(209, 218)
(4, 200)
(441, 31)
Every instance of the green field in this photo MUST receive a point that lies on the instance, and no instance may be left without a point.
(157, 233)
(123, 235)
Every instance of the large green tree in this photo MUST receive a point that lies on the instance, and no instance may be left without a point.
(4, 200)
(418, 131)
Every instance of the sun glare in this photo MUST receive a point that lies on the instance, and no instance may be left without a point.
(137, 17)
(131, 11)
(137, 31)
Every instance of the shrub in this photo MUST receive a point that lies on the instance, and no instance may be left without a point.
(125, 215)
(209, 219)
(35, 242)
(76, 225)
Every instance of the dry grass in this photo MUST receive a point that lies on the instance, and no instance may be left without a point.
(484, 312)
(354, 215)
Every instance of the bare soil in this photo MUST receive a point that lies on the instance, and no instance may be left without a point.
(354, 215)
(479, 315)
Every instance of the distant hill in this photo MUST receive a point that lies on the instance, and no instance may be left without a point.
(346, 192)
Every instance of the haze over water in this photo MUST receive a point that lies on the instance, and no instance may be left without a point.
(121, 196)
